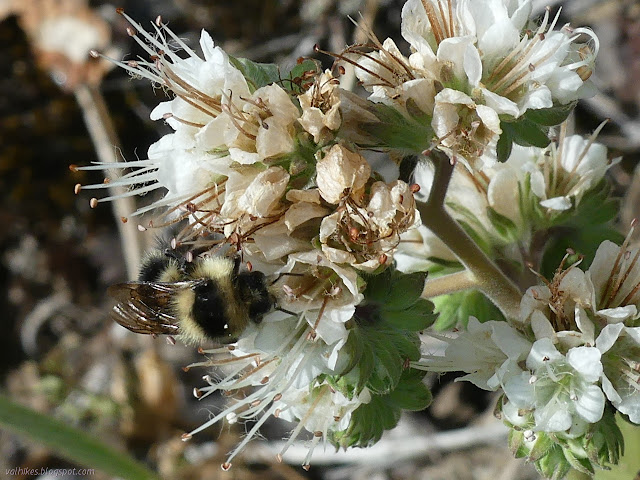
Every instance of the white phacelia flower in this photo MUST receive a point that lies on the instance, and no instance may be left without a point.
(620, 348)
(563, 172)
(283, 361)
(561, 390)
(323, 293)
(615, 274)
(488, 352)
(484, 49)
(465, 130)
(321, 108)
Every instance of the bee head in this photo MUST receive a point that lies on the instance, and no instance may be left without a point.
(254, 293)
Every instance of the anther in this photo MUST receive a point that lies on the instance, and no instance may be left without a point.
(159, 20)
(189, 256)
(185, 369)
(382, 259)
(201, 350)
(306, 467)
(277, 397)
(225, 466)
(131, 32)
(414, 187)
(124, 219)
(277, 413)
(264, 381)
(317, 433)
(73, 167)
(249, 266)
(171, 340)
(119, 10)
(77, 188)
(186, 437)
(197, 392)
(93, 203)
(279, 458)
(94, 53)
(336, 418)
(255, 403)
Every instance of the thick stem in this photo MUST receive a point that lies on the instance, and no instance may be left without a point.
(105, 141)
(454, 282)
(489, 279)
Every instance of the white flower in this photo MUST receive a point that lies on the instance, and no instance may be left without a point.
(393, 79)
(204, 88)
(321, 107)
(483, 50)
(186, 175)
(463, 127)
(620, 348)
(562, 391)
(615, 274)
(562, 173)
(488, 352)
(282, 361)
(326, 294)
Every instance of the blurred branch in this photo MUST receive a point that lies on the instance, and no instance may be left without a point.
(401, 448)
(105, 141)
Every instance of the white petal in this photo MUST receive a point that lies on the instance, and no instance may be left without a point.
(590, 404)
(557, 203)
(608, 336)
(586, 361)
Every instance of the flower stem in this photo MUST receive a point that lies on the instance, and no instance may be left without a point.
(454, 282)
(488, 278)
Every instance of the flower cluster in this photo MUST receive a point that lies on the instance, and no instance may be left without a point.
(254, 168)
(476, 68)
(510, 206)
(270, 167)
(569, 359)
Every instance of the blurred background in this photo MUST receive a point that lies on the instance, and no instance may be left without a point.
(60, 353)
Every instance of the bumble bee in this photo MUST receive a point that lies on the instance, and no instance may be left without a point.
(208, 298)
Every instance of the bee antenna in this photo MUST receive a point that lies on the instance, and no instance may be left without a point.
(293, 314)
(289, 274)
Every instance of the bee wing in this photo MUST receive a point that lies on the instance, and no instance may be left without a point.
(145, 307)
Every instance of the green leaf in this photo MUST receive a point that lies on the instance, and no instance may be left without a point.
(526, 133)
(406, 290)
(552, 116)
(629, 463)
(294, 81)
(503, 225)
(504, 146)
(456, 308)
(411, 393)
(416, 318)
(70, 443)
(257, 74)
(394, 130)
